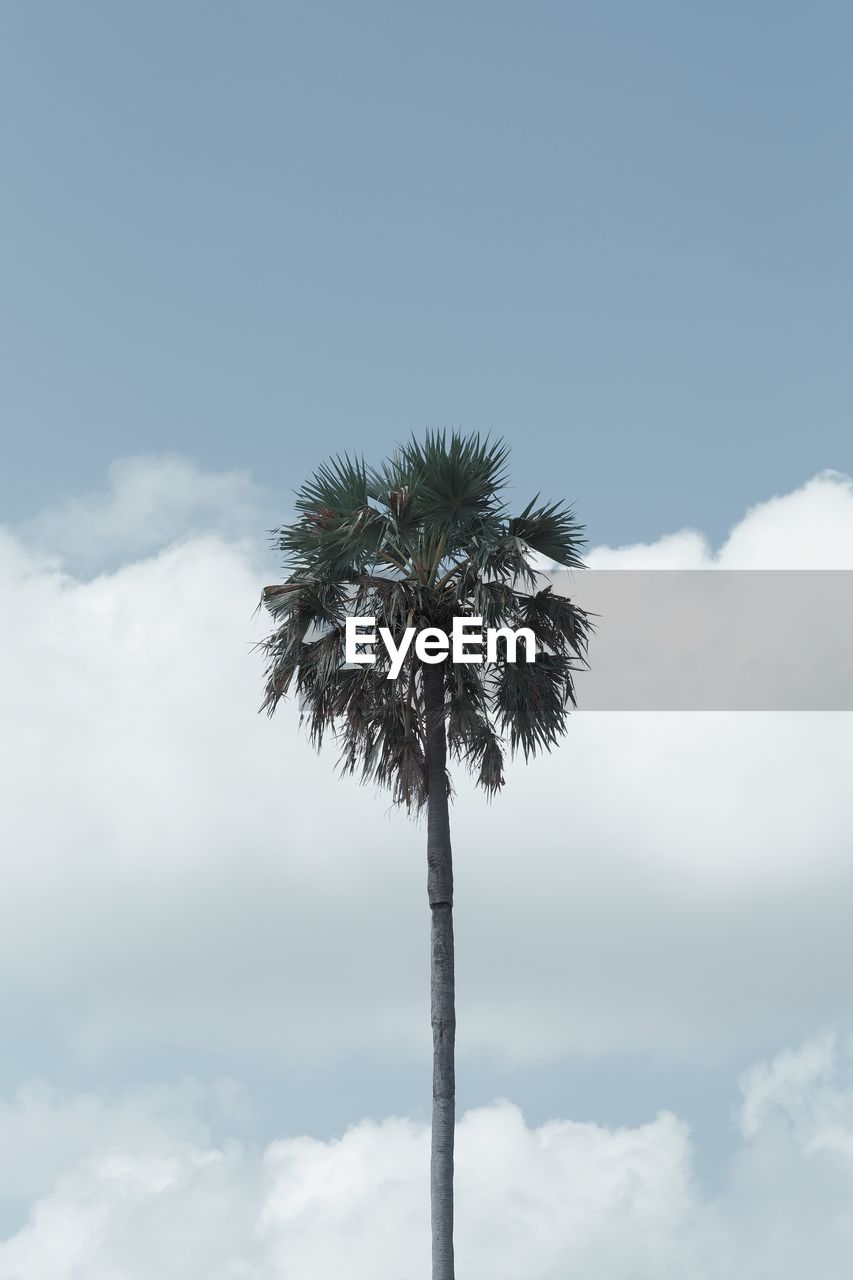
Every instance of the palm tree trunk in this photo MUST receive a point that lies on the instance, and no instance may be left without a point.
(440, 893)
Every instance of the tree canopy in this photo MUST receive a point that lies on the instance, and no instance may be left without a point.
(421, 539)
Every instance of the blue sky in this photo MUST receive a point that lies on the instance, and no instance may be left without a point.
(616, 234)
(236, 239)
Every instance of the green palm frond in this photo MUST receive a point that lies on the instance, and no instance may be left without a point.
(456, 478)
(558, 623)
(416, 541)
(339, 486)
(552, 530)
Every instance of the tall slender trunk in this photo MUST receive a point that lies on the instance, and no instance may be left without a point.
(442, 984)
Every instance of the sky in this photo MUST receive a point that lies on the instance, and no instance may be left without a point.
(236, 240)
(255, 234)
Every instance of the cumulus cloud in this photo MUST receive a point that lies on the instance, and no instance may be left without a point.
(811, 528)
(149, 502)
(544, 1202)
(181, 872)
(685, 550)
(45, 1131)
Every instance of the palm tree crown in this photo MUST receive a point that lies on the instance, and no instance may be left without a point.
(421, 539)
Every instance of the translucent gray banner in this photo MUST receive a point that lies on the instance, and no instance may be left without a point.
(715, 640)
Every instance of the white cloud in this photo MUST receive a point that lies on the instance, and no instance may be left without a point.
(560, 1199)
(149, 503)
(792, 1077)
(685, 550)
(179, 871)
(45, 1131)
(811, 528)
(808, 529)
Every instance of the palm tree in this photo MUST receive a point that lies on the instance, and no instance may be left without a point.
(420, 539)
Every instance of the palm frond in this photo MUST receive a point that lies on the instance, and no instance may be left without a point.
(532, 701)
(550, 529)
(421, 539)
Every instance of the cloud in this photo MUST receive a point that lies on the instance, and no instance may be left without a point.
(559, 1199)
(811, 528)
(792, 1078)
(44, 1131)
(180, 872)
(149, 503)
(184, 874)
(685, 550)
